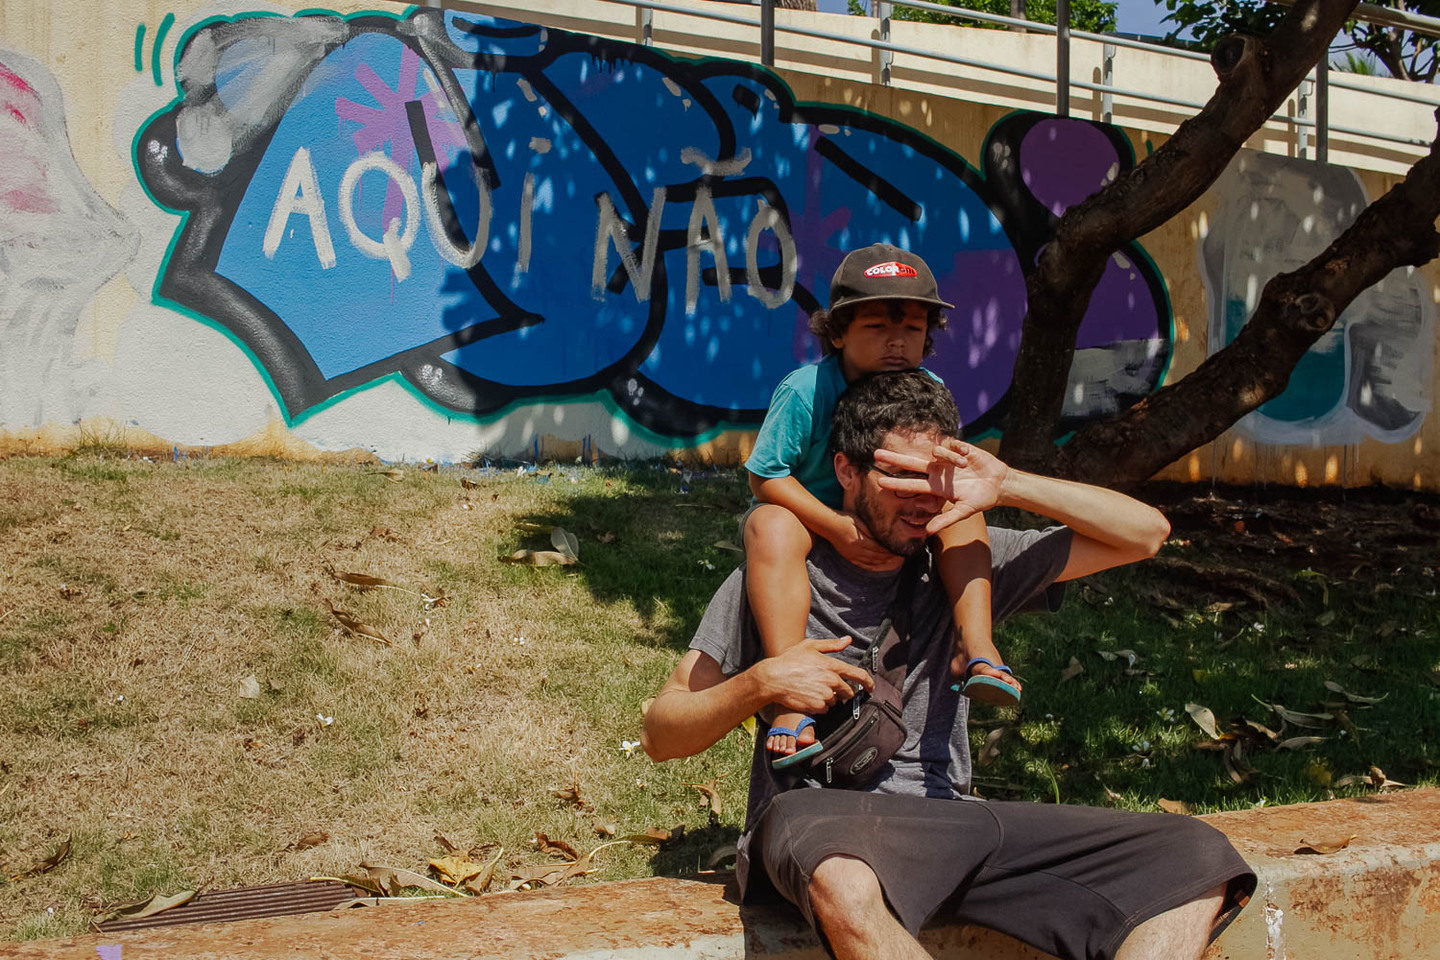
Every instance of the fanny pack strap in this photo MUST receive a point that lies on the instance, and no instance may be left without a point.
(890, 656)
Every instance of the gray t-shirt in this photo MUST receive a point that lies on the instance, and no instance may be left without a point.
(846, 600)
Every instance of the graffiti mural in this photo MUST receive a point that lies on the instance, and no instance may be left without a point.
(498, 212)
(59, 242)
(1370, 375)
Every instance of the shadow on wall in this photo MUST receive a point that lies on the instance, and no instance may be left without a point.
(1370, 375)
(600, 221)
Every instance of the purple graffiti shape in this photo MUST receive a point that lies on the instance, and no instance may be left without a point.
(390, 123)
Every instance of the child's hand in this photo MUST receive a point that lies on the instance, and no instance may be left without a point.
(957, 471)
(857, 545)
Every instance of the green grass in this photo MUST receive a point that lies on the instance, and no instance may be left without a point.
(194, 576)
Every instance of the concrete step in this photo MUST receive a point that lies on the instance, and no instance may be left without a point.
(1377, 899)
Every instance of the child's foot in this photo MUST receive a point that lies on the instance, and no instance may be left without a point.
(790, 732)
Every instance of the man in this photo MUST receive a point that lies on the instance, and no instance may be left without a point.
(869, 867)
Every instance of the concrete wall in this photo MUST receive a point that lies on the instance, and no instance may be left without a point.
(423, 233)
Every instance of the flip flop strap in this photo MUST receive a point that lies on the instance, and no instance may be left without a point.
(970, 667)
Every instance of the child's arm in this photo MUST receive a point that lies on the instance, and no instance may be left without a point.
(846, 532)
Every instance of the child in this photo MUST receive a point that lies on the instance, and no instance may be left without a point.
(884, 306)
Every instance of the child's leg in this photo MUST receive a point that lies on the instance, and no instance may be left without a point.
(964, 549)
(778, 587)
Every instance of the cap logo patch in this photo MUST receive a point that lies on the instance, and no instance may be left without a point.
(891, 268)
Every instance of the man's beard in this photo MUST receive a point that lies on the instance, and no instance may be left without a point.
(884, 534)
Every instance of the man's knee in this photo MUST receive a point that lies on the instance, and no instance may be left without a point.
(843, 889)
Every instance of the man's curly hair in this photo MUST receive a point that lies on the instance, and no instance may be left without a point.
(902, 401)
(829, 324)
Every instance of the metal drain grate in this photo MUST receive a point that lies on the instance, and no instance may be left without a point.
(245, 903)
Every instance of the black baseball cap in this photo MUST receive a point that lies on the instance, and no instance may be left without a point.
(883, 272)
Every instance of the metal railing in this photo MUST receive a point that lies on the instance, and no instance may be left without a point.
(1312, 94)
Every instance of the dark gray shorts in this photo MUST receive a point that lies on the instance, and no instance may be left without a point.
(1072, 881)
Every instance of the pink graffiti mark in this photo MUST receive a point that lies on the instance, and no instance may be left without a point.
(20, 99)
(23, 181)
(812, 231)
(389, 122)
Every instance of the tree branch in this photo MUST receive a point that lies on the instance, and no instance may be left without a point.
(1294, 311)
(1255, 77)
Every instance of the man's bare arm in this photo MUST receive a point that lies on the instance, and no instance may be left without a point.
(1111, 529)
(698, 704)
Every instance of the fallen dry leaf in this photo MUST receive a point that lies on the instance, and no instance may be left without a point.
(1297, 743)
(1204, 719)
(991, 747)
(721, 855)
(710, 790)
(391, 880)
(354, 624)
(556, 848)
(535, 877)
(467, 484)
(481, 883)
(455, 870)
(1334, 687)
(1235, 765)
(1294, 716)
(146, 908)
(1263, 730)
(654, 836)
(565, 542)
(1306, 847)
(606, 827)
(250, 687)
(540, 558)
(1174, 806)
(394, 476)
(570, 794)
(46, 865)
(1072, 671)
(311, 840)
(362, 580)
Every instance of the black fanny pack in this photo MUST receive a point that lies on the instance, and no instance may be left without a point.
(859, 737)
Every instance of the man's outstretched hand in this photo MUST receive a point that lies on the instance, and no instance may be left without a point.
(957, 471)
(804, 680)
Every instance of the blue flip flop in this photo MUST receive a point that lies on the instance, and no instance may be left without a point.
(988, 690)
(781, 762)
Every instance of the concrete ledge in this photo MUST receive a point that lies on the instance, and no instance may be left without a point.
(1377, 898)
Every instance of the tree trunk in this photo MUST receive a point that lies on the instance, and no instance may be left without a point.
(1294, 311)
(1017, 10)
(1256, 75)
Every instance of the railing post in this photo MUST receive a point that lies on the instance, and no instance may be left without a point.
(1322, 108)
(1107, 78)
(647, 23)
(767, 32)
(1062, 58)
(883, 10)
(1302, 111)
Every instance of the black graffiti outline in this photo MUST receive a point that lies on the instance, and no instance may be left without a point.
(188, 277)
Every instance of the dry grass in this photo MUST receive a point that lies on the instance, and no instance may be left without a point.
(137, 597)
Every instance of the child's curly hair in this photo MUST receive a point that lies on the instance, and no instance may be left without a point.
(829, 324)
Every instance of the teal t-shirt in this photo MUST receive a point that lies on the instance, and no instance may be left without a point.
(794, 440)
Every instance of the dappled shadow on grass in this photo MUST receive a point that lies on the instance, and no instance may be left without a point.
(707, 848)
(649, 538)
(1325, 609)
